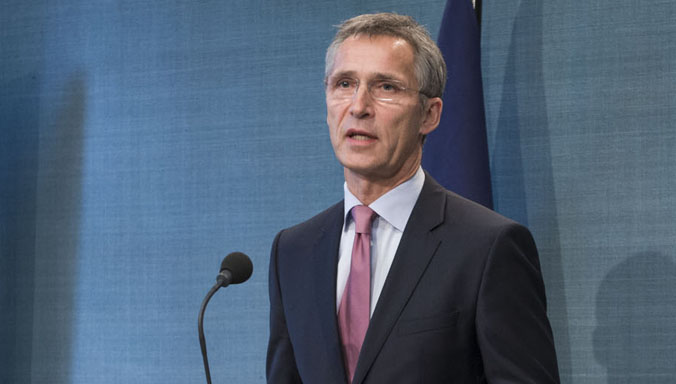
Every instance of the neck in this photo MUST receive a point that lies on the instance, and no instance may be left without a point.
(368, 188)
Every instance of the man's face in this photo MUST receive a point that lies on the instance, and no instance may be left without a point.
(377, 140)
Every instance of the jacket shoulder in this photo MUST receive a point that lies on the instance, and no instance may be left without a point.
(329, 216)
(460, 210)
(472, 213)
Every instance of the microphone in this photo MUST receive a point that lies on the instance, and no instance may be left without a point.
(236, 268)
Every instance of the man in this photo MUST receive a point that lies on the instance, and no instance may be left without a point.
(453, 292)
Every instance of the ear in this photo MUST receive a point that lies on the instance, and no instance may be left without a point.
(431, 115)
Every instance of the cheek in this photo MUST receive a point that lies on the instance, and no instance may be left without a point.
(332, 117)
(408, 136)
(407, 127)
(334, 130)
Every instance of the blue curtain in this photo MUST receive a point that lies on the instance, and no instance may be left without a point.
(142, 141)
(580, 113)
(456, 153)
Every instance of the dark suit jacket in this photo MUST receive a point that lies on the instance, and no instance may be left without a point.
(463, 302)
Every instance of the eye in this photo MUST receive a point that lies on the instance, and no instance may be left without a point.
(388, 87)
(345, 84)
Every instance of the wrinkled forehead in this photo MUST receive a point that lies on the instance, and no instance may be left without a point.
(378, 56)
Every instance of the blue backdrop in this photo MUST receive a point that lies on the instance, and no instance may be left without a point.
(141, 141)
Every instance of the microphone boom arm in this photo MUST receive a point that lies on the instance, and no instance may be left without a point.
(236, 268)
(200, 320)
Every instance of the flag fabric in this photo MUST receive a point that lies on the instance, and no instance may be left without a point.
(456, 153)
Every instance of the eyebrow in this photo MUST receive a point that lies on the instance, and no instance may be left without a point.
(377, 76)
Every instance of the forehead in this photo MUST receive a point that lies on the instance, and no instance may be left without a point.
(375, 55)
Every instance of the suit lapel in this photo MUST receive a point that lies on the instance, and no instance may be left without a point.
(325, 264)
(416, 248)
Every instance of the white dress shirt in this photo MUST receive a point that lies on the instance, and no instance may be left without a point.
(394, 209)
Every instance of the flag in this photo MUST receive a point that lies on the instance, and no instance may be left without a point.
(456, 153)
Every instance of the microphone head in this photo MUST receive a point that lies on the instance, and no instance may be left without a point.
(239, 265)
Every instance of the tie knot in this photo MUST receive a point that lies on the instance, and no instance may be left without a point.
(362, 216)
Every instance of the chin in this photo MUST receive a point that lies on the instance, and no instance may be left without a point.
(359, 165)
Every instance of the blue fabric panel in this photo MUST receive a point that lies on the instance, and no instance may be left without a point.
(141, 142)
(581, 107)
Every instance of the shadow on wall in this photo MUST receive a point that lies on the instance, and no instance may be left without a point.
(58, 202)
(522, 164)
(19, 113)
(635, 336)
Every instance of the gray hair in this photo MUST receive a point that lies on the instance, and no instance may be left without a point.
(429, 65)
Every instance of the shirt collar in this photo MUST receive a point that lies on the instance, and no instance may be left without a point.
(396, 205)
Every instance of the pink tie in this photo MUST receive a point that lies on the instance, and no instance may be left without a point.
(354, 310)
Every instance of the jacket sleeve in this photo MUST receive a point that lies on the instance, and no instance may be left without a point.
(514, 334)
(281, 363)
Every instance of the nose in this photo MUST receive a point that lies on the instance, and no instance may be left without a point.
(361, 105)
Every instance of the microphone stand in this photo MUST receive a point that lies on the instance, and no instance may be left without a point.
(200, 320)
(236, 268)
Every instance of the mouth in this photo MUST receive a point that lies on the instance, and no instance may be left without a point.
(358, 135)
